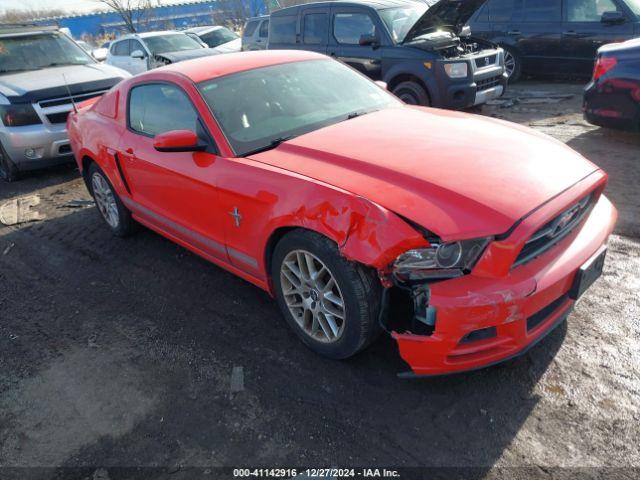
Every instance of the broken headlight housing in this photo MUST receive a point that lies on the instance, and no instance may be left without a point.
(439, 261)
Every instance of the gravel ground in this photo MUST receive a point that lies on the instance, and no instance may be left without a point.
(120, 353)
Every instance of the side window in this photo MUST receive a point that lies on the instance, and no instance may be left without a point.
(135, 45)
(158, 108)
(349, 27)
(283, 29)
(483, 15)
(264, 29)
(315, 28)
(120, 48)
(543, 11)
(249, 28)
(588, 10)
(504, 10)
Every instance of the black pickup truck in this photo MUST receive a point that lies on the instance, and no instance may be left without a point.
(422, 50)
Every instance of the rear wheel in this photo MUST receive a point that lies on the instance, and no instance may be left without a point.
(8, 170)
(331, 304)
(512, 64)
(111, 209)
(412, 93)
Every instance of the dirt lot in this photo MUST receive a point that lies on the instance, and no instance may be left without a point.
(120, 353)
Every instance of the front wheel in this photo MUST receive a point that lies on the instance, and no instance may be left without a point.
(512, 64)
(331, 304)
(8, 171)
(412, 93)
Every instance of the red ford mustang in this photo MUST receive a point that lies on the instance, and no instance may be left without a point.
(466, 238)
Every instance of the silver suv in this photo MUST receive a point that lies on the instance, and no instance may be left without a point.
(255, 33)
(42, 71)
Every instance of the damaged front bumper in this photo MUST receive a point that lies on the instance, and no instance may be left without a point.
(476, 321)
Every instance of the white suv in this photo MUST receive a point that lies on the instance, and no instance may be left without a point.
(140, 52)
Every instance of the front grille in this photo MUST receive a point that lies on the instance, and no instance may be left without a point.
(554, 231)
(80, 97)
(537, 318)
(484, 62)
(488, 83)
(60, 117)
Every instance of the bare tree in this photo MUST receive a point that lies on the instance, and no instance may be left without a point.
(132, 12)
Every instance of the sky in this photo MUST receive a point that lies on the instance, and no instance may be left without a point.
(71, 6)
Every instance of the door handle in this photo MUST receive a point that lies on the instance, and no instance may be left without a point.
(570, 33)
(514, 33)
(375, 62)
(129, 151)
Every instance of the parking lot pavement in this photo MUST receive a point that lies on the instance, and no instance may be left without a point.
(125, 352)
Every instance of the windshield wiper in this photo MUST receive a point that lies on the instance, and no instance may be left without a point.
(59, 64)
(270, 146)
(359, 113)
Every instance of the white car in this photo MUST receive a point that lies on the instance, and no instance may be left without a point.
(221, 39)
(137, 53)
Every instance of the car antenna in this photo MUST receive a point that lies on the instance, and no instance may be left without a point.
(66, 84)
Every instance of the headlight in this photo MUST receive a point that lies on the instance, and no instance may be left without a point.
(446, 260)
(18, 115)
(456, 70)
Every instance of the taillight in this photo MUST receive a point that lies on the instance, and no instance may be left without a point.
(603, 65)
(18, 115)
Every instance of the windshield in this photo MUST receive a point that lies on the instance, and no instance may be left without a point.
(218, 37)
(176, 42)
(33, 52)
(634, 5)
(400, 20)
(258, 108)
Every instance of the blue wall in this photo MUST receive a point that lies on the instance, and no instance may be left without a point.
(164, 17)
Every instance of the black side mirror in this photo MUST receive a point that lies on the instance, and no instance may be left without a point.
(613, 18)
(369, 39)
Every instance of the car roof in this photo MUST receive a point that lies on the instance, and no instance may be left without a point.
(21, 28)
(207, 68)
(148, 34)
(204, 29)
(375, 4)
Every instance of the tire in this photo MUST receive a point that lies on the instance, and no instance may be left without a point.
(357, 286)
(513, 64)
(8, 171)
(111, 209)
(412, 93)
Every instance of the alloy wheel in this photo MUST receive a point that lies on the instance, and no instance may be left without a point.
(509, 63)
(105, 200)
(313, 296)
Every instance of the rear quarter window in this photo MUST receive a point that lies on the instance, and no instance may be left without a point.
(283, 29)
(264, 29)
(249, 28)
(315, 28)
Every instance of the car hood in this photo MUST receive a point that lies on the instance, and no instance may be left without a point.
(51, 82)
(450, 13)
(174, 57)
(458, 175)
(230, 47)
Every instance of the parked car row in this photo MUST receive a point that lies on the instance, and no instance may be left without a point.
(446, 53)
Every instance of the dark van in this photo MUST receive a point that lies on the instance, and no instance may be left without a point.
(424, 53)
(555, 36)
